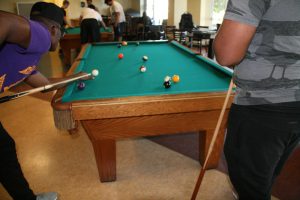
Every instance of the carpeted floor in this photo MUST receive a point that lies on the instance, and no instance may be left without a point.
(73, 185)
(286, 186)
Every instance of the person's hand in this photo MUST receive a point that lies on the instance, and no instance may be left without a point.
(81, 74)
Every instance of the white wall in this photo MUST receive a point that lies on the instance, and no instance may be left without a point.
(180, 6)
(206, 12)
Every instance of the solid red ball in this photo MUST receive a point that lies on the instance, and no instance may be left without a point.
(120, 56)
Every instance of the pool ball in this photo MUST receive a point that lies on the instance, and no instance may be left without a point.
(137, 43)
(119, 45)
(95, 72)
(175, 78)
(81, 85)
(145, 58)
(167, 84)
(167, 78)
(124, 43)
(120, 56)
(143, 68)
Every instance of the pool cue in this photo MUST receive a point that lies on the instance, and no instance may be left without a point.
(212, 143)
(42, 88)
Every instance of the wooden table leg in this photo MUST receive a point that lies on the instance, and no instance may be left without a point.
(210, 52)
(105, 152)
(204, 142)
(67, 56)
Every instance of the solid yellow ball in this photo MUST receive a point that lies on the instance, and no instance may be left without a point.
(176, 78)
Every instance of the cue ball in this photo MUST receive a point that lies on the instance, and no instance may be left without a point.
(120, 56)
(143, 68)
(145, 58)
(95, 72)
(81, 85)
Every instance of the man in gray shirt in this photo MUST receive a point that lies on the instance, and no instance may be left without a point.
(261, 38)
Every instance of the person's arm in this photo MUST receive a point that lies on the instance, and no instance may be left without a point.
(38, 80)
(11, 27)
(66, 21)
(232, 41)
(100, 20)
(117, 18)
(103, 24)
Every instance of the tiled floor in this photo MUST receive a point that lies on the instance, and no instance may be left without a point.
(55, 160)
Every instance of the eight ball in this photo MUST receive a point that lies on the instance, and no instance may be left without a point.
(167, 84)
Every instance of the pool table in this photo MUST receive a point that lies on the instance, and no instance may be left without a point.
(71, 40)
(123, 102)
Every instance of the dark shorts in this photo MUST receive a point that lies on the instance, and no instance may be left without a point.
(89, 31)
(119, 30)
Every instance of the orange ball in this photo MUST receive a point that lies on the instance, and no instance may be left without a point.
(124, 43)
(176, 78)
(120, 56)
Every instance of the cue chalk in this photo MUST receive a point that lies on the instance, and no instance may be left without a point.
(43, 88)
(212, 143)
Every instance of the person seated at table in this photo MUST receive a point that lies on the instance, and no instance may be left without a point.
(89, 24)
(65, 5)
(146, 21)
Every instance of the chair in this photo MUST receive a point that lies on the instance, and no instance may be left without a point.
(156, 32)
(169, 32)
(201, 37)
(180, 36)
(186, 22)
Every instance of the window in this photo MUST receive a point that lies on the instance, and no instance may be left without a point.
(157, 10)
(219, 8)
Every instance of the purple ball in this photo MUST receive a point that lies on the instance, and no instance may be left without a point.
(81, 85)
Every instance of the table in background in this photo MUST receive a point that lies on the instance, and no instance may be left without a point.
(203, 34)
(123, 102)
(71, 40)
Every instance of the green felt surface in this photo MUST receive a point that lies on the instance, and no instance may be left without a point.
(122, 78)
(76, 30)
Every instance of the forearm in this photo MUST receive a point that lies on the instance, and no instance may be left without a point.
(117, 18)
(103, 24)
(37, 80)
(232, 42)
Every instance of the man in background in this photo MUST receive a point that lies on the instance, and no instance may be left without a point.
(89, 24)
(117, 18)
(90, 3)
(65, 5)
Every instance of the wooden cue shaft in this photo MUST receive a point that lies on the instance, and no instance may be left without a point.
(212, 143)
(39, 89)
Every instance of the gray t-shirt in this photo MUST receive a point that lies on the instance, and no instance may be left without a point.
(270, 71)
